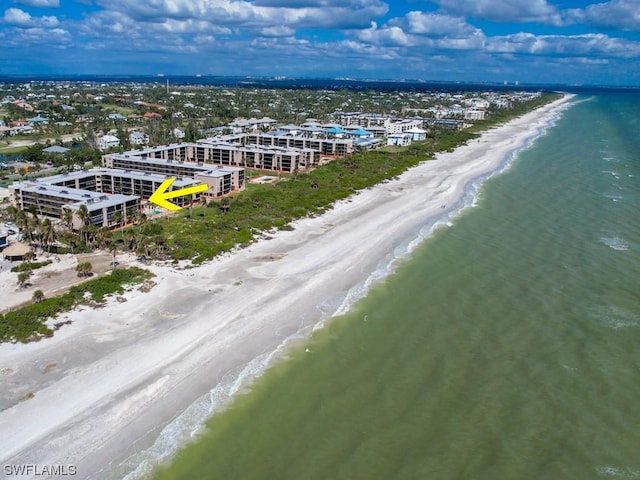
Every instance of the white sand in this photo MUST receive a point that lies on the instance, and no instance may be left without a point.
(104, 386)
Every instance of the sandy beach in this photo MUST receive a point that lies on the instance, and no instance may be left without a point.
(107, 393)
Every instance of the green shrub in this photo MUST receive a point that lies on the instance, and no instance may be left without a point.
(28, 322)
(28, 266)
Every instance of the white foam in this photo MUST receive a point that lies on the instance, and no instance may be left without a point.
(618, 472)
(615, 317)
(191, 423)
(616, 243)
(613, 196)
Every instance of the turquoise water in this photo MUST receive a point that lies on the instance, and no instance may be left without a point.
(507, 346)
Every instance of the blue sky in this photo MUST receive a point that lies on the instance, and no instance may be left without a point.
(531, 41)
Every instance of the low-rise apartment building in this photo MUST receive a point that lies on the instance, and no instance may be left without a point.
(221, 180)
(237, 151)
(51, 200)
(113, 196)
(334, 147)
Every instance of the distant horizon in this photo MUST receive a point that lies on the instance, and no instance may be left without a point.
(284, 80)
(564, 42)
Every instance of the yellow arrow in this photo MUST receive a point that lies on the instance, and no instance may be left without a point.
(160, 197)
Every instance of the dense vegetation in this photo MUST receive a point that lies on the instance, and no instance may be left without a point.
(28, 323)
(29, 266)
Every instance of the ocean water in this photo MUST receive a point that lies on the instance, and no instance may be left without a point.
(507, 346)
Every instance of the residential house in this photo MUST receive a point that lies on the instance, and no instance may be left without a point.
(417, 134)
(138, 138)
(474, 114)
(38, 121)
(24, 105)
(108, 141)
(399, 139)
(56, 150)
(242, 125)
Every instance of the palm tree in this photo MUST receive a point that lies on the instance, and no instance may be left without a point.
(225, 204)
(142, 221)
(38, 296)
(141, 251)
(132, 239)
(11, 212)
(34, 228)
(23, 279)
(23, 223)
(67, 218)
(92, 235)
(113, 248)
(83, 215)
(48, 234)
(103, 237)
(84, 269)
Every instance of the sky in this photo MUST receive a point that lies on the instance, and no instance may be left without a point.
(529, 41)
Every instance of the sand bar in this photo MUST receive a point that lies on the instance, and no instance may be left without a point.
(102, 388)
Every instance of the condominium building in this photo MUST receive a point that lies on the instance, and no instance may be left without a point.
(236, 151)
(221, 180)
(112, 196)
(366, 120)
(336, 147)
(403, 126)
(51, 200)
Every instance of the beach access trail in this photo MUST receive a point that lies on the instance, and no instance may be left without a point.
(103, 387)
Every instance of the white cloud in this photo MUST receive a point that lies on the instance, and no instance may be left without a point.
(436, 25)
(277, 31)
(39, 3)
(351, 4)
(49, 37)
(388, 35)
(504, 10)
(256, 15)
(436, 34)
(592, 44)
(616, 14)
(20, 18)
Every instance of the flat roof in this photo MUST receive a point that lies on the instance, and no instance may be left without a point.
(132, 174)
(74, 196)
(56, 149)
(163, 161)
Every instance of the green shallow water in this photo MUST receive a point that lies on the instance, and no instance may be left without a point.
(506, 347)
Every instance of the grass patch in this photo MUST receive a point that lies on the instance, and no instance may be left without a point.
(29, 266)
(28, 323)
(10, 150)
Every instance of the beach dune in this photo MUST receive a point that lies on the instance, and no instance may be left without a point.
(97, 395)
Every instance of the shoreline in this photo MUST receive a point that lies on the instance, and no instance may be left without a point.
(125, 372)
